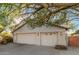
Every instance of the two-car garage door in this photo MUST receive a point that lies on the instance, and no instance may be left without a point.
(44, 39)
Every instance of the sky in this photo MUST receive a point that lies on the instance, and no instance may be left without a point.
(75, 19)
(76, 23)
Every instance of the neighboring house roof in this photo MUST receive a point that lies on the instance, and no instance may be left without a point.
(75, 35)
(77, 32)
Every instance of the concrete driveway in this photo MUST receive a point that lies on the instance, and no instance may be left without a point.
(21, 49)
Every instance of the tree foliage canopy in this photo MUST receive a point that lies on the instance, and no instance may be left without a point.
(42, 14)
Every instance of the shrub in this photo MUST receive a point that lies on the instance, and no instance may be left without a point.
(61, 47)
(7, 37)
(1, 28)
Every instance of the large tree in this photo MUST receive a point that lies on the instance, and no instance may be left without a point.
(41, 14)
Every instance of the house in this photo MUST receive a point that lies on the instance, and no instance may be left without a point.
(42, 36)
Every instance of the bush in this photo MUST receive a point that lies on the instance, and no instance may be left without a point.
(61, 47)
(1, 28)
(7, 37)
(1, 38)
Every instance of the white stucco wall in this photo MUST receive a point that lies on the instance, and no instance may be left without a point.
(26, 29)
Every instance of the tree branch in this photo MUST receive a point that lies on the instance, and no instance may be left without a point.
(62, 8)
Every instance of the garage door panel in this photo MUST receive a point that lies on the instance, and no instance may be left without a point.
(37, 40)
(48, 39)
(29, 38)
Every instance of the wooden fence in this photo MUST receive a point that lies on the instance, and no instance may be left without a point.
(74, 41)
